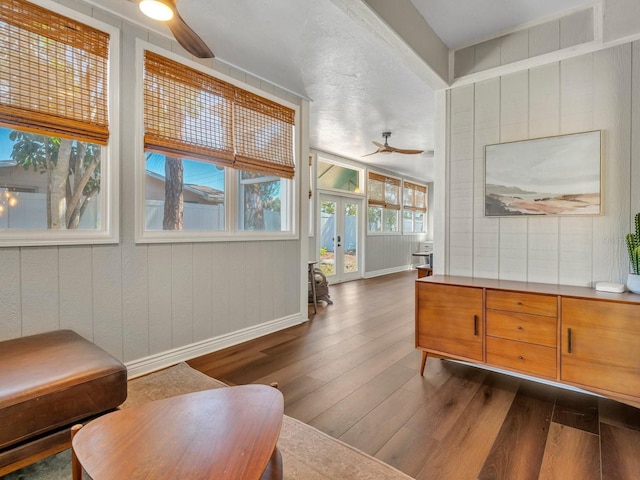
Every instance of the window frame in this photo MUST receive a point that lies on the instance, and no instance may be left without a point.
(415, 209)
(232, 175)
(361, 177)
(109, 166)
(383, 207)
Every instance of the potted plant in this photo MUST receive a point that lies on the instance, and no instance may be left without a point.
(633, 245)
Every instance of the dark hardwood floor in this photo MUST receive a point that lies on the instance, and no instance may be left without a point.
(352, 372)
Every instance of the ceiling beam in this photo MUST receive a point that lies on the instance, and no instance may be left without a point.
(401, 27)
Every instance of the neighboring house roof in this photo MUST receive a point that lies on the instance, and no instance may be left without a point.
(207, 194)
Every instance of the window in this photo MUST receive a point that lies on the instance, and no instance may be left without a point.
(332, 176)
(383, 204)
(211, 149)
(414, 204)
(56, 172)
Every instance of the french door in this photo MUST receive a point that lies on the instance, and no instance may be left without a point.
(339, 238)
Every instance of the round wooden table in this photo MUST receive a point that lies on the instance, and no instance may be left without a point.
(224, 433)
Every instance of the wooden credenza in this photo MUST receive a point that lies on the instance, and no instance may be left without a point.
(568, 335)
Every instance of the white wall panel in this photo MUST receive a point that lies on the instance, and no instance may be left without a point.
(576, 94)
(544, 38)
(135, 301)
(182, 294)
(253, 276)
(543, 244)
(39, 290)
(279, 278)
(635, 133)
(221, 294)
(514, 107)
(237, 280)
(266, 288)
(612, 115)
(461, 182)
(107, 298)
(160, 324)
(487, 132)
(76, 306)
(514, 47)
(544, 121)
(10, 299)
(202, 292)
(576, 115)
(513, 249)
(488, 54)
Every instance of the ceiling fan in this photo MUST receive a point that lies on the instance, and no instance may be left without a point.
(166, 11)
(386, 148)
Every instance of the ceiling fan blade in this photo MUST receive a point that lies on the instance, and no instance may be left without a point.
(186, 37)
(407, 152)
(378, 144)
(372, 153)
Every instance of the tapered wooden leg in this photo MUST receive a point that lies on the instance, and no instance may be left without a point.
(424, 361)
(76, 468)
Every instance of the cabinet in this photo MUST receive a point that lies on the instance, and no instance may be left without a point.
(568, 335)
(600, 345)
(450, 321)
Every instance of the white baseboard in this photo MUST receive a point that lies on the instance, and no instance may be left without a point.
(387, 271)
(168, 358)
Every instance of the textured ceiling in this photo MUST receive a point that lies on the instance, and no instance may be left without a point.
(357, 85)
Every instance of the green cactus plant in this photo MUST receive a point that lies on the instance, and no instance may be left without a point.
(633, 246)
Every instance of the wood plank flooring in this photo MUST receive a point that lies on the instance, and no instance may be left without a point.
(352, 372)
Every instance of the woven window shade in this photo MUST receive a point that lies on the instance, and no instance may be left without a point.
(389, 196)
(53, 73)
(415, 201)
(186, 112)
(263, 135)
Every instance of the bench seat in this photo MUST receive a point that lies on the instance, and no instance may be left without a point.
(49, 382)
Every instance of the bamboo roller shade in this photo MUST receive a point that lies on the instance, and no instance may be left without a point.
(191, 114)
(53, 73)
(387, 182)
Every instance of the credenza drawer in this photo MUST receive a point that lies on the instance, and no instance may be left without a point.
(523, 357)
(522, 327)
(531, 303)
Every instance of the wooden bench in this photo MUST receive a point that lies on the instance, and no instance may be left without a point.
(48, 383)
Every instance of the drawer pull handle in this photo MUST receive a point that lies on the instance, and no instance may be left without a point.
(518, 303)
(520, 357)
(519, 327)
(568, 340)
(475, 325)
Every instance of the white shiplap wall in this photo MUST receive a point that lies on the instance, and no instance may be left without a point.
(588, 92)
(142, 301)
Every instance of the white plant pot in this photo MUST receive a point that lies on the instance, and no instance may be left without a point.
(633, 283)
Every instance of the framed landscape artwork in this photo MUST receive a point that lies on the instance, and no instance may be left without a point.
(544, 176)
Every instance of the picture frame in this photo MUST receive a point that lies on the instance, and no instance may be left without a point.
(553, 176)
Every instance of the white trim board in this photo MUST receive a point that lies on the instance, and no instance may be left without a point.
(143, 366)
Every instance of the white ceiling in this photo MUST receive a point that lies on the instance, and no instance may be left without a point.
(357, 85)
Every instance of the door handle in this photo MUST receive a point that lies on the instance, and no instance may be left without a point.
(339, 240)
(475, 325)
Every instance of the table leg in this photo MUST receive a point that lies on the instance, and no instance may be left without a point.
(76, 468)
(423, 362)
(274, 470)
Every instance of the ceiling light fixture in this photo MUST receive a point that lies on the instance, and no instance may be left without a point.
(161, 10)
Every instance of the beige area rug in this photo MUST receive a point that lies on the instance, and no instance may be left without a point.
(307, 453)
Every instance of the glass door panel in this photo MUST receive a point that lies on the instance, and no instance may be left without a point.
(339, 238)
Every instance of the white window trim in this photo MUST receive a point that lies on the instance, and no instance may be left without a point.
(362, 178)
(231, 232)
(109, 167)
